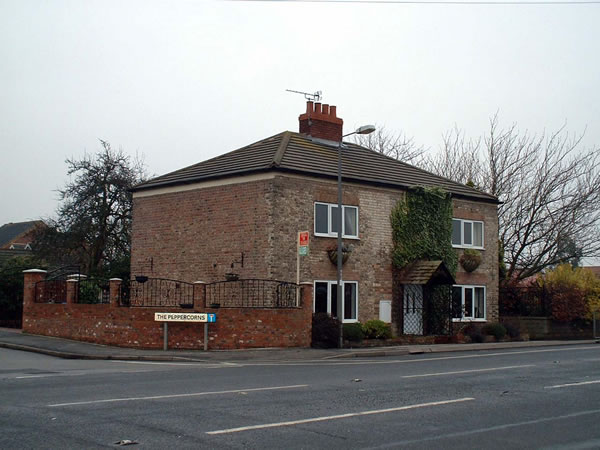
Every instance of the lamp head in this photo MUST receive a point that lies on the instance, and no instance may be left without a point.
(365, 129)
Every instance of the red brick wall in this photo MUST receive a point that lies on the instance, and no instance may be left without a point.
(196, 235)
(135, 327)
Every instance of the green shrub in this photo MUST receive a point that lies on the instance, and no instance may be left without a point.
(353, 332)
(376, 329)
(494, 329)
(325, 331)
(89, 292)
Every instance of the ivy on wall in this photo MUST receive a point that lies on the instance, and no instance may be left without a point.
(422, 228)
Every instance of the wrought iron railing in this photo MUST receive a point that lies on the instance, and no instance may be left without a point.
(86, 290)
(525, 301)
(253, 293)
(152, 292)
(92, 291)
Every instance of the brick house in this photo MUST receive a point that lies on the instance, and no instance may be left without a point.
(241, 212)
(16, 238)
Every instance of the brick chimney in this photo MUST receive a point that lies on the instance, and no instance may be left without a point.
(320, 121)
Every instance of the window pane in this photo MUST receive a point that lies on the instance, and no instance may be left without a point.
(479, 303)
(468, 235)
(350, 221)
(478, 234)
(320, 297)
(334, 219)
(457, 302)
(321, 219)
(350, 301)
(333, 289)
(468, 302)
(456, 232)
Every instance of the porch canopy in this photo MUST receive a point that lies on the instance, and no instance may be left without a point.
(426, 272)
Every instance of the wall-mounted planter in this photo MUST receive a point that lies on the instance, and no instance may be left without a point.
(332, 254)
(470, 260)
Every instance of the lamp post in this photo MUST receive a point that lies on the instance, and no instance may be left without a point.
(365, 129)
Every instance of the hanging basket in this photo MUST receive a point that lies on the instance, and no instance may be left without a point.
(332, 254)
(470, 260)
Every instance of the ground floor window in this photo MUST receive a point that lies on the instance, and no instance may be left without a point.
(468, 302)
(326, 299)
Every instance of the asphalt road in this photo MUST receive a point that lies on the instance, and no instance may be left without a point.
(526, 398)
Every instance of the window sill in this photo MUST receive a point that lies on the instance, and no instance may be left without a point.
(469, 319)
(465, 247)
(354, 238)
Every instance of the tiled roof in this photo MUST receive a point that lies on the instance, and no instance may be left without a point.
(10, 231)
(423, 272)
(294, 152)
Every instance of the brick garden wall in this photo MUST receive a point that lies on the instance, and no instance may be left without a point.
(135, 327)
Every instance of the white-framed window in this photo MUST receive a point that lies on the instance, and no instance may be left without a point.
(467, 233)
(469, 302)
(326, 220)
(325, 299)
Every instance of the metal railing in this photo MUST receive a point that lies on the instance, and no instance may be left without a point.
(253, 293)
(92, 291)
(152, 292)
(525, 301)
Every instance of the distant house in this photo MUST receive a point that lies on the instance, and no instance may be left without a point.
(594, 269)
(17, 238)
(241, 212)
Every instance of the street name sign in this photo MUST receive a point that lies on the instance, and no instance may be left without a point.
(185, 317)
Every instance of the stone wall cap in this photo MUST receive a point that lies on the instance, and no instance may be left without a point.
(200, 282)
(115, 279)
(35, 271)
(306, 282)
(72, 280)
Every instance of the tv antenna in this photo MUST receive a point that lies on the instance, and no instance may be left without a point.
(311, 97)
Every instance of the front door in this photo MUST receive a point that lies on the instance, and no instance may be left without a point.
(413, 309)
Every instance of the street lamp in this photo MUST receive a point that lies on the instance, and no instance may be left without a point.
(365, 129)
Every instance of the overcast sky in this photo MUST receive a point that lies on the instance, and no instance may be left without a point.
(181, 81)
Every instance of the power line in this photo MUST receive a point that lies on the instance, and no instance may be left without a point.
(440, 2)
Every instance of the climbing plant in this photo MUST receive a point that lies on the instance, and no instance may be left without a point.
(422, 228)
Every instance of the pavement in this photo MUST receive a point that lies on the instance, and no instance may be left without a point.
(69, 349)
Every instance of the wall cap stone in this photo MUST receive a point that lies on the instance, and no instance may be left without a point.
(200, 282)
(35, 271)
(115, 279)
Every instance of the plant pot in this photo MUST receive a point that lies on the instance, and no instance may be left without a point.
(232, 277)
(141, 278)
(332, 254)
(470, 261)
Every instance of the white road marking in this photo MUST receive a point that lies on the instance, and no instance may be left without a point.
(456, 372)
(193, 394)
(581, 383)
(202, 364)
(370, 361)
(78, 374)
(339, 416)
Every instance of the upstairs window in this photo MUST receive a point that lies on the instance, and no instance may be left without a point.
(326, 220)
(467, 233)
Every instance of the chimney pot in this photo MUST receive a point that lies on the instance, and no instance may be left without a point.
(309, 107)
(332, 111)
(326, 110)
(317, 108)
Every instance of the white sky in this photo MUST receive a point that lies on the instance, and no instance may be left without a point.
(182, 81)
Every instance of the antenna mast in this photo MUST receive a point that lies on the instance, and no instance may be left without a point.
(311, 97)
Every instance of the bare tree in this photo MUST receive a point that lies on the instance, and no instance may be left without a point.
(93, 221)
(459, 159)
(548, 185)
(398, 146)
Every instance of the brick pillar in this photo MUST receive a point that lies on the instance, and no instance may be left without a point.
(72, 291)
(199, 295)
(31, 277)
(115, 291)
(307, 312)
